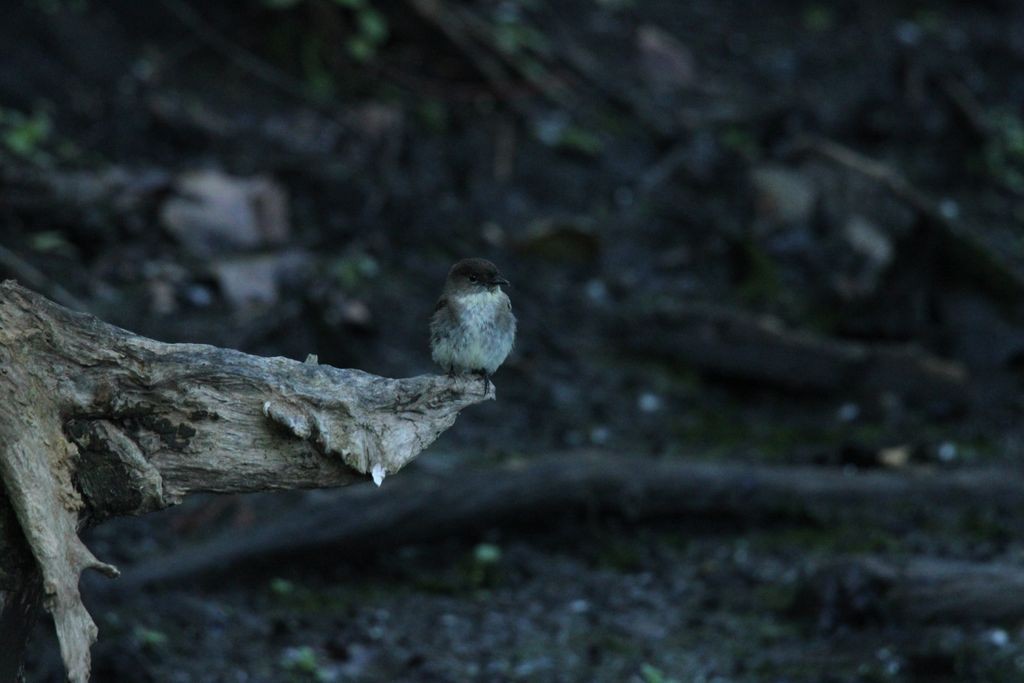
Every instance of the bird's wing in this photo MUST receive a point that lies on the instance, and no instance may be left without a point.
(441, 321)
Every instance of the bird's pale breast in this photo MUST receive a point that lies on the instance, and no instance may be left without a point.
(473, 332)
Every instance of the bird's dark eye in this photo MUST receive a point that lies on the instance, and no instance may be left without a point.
(472, 278)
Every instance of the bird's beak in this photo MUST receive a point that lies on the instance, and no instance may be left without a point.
(499, 281)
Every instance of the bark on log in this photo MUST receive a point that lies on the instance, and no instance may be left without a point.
(446, 504)
(97, 422)
(922, 589)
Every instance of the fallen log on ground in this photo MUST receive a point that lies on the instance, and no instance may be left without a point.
(208, 212)
(923, 589)
(758, 348)
(86, 200)
(960, 249)
(96, 422)
(442, 504)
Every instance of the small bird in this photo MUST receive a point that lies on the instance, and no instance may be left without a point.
(472, 329)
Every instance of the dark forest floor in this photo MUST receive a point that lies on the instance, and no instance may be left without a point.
(618, 160)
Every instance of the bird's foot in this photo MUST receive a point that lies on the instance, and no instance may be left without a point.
(486, 378)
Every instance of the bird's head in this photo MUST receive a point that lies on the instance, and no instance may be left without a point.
(474, 275)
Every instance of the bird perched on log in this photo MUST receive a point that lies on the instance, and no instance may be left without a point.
(472, 329)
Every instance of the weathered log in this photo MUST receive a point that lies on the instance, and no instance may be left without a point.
(442, 504)
(97, 422)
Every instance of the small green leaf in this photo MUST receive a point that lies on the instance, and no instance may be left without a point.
(652, 674)
(151, 638)
(487, 553)
(24, 135)
(300, 659)
(577, 139)
(49, 241)
(372, 26)
(360, 49)
(818, 18)
(433, 114)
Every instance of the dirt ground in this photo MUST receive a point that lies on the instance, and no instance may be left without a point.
(717, 218)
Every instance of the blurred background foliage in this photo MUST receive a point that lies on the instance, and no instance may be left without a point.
(781, 238)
